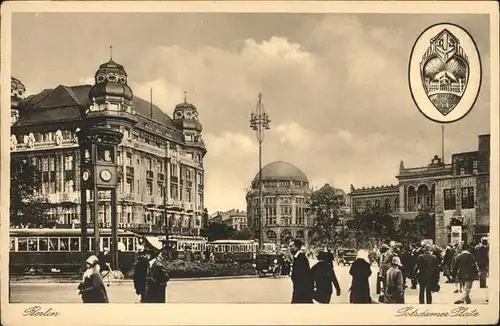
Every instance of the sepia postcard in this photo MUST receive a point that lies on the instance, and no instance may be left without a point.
(249, 163)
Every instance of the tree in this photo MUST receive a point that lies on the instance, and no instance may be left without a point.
(244, 234)
(26, 207)
(426, 225)
(372, 226)
(409, 232)
(325, 206)
(220, 231)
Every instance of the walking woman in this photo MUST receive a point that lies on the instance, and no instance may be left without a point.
(324, 276)
(92, 288)
(360, 272)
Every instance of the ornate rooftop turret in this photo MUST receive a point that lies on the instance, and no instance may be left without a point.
(111, 84)
(186, 117)
(17, 95)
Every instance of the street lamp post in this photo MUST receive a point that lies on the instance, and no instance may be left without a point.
(259, 122)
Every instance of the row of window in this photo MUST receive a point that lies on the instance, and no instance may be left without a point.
(234, 247)
(377, 202)
(272, 200)
(67, 244)
(466, 195)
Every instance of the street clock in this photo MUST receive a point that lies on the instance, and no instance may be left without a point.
(86, 175)
(106, 175)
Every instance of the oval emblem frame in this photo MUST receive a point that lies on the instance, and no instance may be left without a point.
(473, 87)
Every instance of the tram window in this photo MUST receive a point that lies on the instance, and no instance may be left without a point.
(22, 244)
(53, 244)
(90, 242)
(32, 244)
(129, 244)
(74, 244)
(12, 244)
(64, 244)
(43, 244)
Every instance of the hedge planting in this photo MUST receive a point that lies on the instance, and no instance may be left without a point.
(182, 269)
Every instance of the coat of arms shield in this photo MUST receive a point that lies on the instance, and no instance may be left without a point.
(444, 70)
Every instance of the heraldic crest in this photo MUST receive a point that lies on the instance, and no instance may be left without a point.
(444, 71)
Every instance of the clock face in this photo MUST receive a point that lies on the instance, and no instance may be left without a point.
(105, 175)
(85, 175)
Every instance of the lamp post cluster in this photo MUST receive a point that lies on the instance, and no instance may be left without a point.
(259, 121)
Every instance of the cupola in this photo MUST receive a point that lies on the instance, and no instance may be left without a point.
(186, 117)
(17, 93)
(111, 84)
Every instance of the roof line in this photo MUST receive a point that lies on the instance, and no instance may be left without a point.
(71, 93)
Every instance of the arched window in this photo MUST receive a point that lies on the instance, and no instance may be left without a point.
(396, 203)
(300, 234)
(368, 204)
(387, 203)
(377, 203)
(271, 236)
(285, 237)
(412, 199)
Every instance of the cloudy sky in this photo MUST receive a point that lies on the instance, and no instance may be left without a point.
(335, 86)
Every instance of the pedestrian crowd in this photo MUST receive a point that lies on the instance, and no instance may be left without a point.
(460, 263)
(314, 279)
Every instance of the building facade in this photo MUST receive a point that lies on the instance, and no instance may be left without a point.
(235, 218)
(285, 191)
(160, 160)
(363, 198)
(458, 192)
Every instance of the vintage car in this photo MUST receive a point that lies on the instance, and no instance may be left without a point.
(346, 256)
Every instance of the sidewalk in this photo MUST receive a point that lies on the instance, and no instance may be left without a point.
(445, 295)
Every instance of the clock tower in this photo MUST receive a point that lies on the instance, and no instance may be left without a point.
(103, 125)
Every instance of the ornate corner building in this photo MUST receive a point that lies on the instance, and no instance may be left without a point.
(285, 192)
(455, 194)
(160, 159)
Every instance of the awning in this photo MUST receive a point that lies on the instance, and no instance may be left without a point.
(154, 242)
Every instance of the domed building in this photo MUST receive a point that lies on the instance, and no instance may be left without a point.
(285, 193)
(160, 160)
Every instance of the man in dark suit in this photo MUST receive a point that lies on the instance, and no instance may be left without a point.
(482, 257)
(140, 273)
(301, 276)
(427, 272)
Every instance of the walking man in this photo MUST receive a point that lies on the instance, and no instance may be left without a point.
(301, 275)
(427, 273)
(466, 271)
(385, 263)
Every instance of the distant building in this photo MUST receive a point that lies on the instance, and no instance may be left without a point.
(285, 192)
(234, 218)
(382, 196)
(457, 192)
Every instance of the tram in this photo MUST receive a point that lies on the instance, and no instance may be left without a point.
(49, 250)
(237, 250)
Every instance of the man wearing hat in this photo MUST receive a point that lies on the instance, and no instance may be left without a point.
(140, 273)
(427, 273)
(385, 263)
(394, 289)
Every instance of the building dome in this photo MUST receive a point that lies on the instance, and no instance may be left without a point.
(282, 171)
(111, 81)
(17, 92)
(186, 117)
